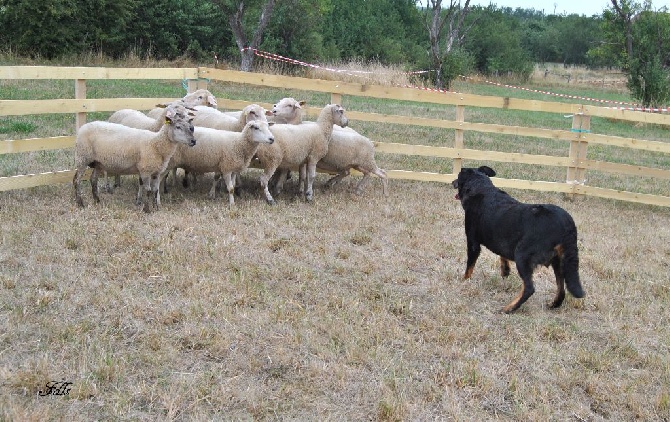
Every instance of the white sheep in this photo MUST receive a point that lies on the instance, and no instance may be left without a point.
(138, 120)
(300, 144)
(200, 97)
(214, 119)
(350, 150)
(226, 153)
(119, 149)
(154, 119)
(288, 111)
(347, 149)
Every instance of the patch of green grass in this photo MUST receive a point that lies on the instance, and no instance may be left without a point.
(17, 126)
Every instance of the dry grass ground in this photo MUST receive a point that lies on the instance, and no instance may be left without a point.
(348, 308)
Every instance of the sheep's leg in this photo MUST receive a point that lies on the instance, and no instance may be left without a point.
(151, 186)
(184, 182)
(265, 178)
(164, 182)
(145, 185)
(174, 177)
(106, 186)
(212, 191)
(238, 184)
(140, 193)
(382, 175)
(336, 179)
(94, 185)
(76, 182)
(117, 181)
(229, 179)
(302, 178)
(281, 179)
(311, 174)
(364, 181)
(156, 188)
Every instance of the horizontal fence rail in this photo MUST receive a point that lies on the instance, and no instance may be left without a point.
(576, 163)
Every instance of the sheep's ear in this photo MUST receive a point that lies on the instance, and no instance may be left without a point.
(301, 104)
(271, 123)
(268, 113)
(161, 105)
(169, 115)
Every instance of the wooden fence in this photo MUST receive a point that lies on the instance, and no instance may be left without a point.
(579, 136)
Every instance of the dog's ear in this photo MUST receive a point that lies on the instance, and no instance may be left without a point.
(487, 171)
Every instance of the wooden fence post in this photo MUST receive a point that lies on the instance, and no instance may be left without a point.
(336, 98)
(195, 84)
(576, 176)
(80, 94)
(458, 141)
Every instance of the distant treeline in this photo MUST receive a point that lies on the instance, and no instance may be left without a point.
(387, 31)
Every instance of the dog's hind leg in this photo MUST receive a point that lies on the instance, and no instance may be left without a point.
(557, 265)
(525, 269)
(504, 267)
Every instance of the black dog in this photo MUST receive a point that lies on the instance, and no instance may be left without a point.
(528, 234)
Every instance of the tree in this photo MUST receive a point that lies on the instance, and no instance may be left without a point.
(495, 43)
(442, 42)
(297, 28)
(40, 28)
(636, 38)
(240, 17)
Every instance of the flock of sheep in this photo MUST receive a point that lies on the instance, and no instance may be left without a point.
(192, 134)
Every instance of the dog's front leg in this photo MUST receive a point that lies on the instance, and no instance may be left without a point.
(474, 249)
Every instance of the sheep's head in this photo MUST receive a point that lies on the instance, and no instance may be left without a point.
(288, 110)
(180, 125)
(254, 112)
(260, 131)
(200, 97)
(338, 115)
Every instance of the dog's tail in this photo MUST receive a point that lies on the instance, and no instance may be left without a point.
(571, 267)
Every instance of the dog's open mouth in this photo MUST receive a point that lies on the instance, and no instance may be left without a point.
(456, 197)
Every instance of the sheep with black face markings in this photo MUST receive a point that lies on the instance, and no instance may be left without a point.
(120, 149)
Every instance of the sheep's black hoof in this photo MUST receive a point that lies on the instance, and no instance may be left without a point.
(272, 203)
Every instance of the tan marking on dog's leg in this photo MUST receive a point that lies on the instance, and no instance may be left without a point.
(557, 265)
(514, 305)
(504, 267)
(468, 272)
(559, 250)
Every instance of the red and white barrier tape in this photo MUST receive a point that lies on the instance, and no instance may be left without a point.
(627, 106)
(630, 106)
